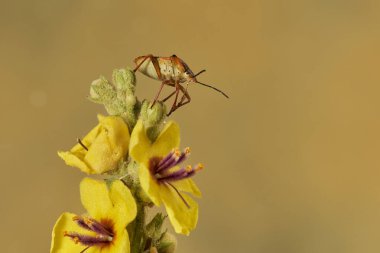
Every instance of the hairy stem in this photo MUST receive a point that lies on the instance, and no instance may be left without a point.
(139, 230)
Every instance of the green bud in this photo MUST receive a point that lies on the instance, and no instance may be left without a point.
(132, 107)
(113, 107)
(125, 80)
(168, 244)
(101, 91)
(153, 118)
(153, 228)
(163, 242)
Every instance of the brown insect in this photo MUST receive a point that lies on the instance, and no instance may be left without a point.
(171, 71)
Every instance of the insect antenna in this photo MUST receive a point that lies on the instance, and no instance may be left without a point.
(212, 87)
(200, 72)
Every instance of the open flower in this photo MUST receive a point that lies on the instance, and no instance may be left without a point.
(102, 148)
(104, 228)
(162, 179)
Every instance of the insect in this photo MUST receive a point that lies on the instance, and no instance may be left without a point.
(171, 71)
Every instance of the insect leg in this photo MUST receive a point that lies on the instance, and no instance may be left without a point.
(170, 95)
(149, 56)
(156, 67)
(159, 91)
(185, 91)
(155, 63)
(185, 95)
(174, 106)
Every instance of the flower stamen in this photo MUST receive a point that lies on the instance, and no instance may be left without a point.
(177, 153)
(102, 236)
(160, 169)
(81, 143)
(174, 158)
(166, 161)
(189, 168)
(88, 240)
(180, 195)
(97, 227)
(199, 167)
(85, 249)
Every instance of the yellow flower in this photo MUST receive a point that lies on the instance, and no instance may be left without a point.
(160, 177)
(102, 148)
(104, 228)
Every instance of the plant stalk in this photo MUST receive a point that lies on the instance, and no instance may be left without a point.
(139, 230)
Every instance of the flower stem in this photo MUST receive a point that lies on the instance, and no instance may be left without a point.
(139, 230)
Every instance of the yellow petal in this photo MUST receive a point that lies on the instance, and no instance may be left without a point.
(95, 198)
(124, 206)
(141, 148)
(149, 184)
(118, 133)
(183, 218)
(107, 144)
(62, 244)
(75, 157)
(167, 140)
(120, 244)
(87, 141)
(74, 161)
(100, 156)
(187, 185)
(140, 144)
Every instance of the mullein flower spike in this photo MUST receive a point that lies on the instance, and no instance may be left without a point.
(138, 155)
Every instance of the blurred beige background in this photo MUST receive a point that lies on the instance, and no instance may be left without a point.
(292, 159)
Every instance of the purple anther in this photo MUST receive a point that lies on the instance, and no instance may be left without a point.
(88, 240)
(182, 157)
(79, 220)
(165, 159)
(177, 175)
(171, 160)
(160, 168)
(172, 176)
(98, 228)
(186, 175)
(166, 165)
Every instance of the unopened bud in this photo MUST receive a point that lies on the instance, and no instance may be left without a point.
(153, 117)
(153, 228)
(101, 91)
(125, 80)
(168, 244)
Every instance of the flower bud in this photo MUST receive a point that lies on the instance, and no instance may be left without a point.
(153, 117)
(102, 148)
(168, 244)
(153, 228)
(101, 91)
(125, 80)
